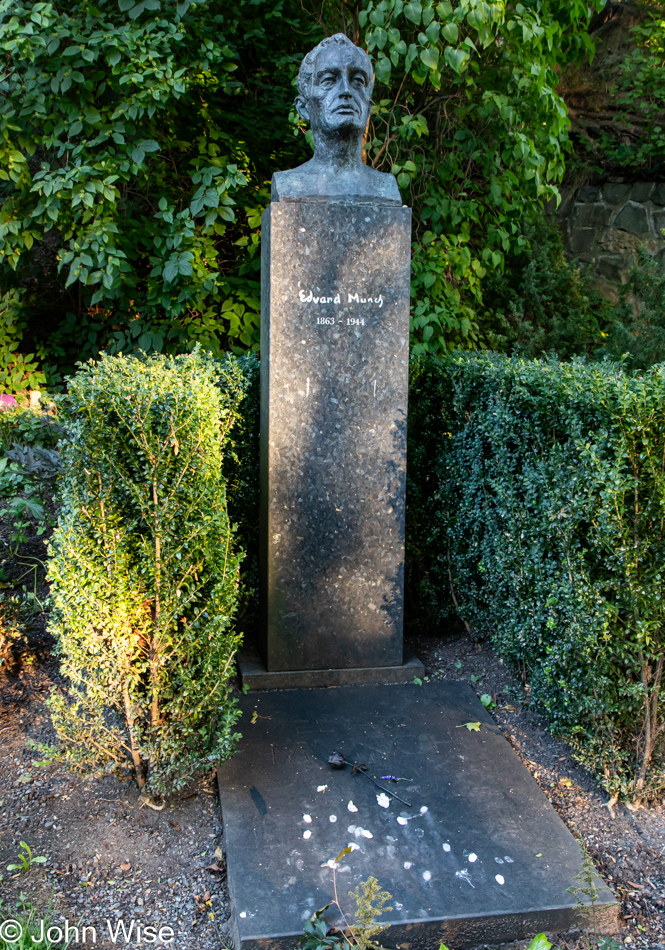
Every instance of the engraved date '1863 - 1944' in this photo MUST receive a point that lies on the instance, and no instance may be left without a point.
(306, 296)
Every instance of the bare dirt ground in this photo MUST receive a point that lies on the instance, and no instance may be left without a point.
(110, 861)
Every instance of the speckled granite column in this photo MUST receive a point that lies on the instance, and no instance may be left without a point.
(334, 376)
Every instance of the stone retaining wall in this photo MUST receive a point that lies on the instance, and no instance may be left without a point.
(603, 226)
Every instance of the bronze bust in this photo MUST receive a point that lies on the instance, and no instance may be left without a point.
(335, 85)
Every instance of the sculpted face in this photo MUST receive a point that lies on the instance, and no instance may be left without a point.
(339, 94)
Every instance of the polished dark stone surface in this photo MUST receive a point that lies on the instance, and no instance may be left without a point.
(334, 377)
(479, 856)
(254, 675)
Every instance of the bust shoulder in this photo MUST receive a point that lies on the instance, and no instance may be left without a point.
(310, 182)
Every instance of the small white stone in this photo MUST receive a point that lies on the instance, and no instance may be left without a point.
(307, 819)
(427, 875)
(367, 834)
(243, 914)
(353, 846)
(383, 800)
(402, 821)
(321, 788)
(473, 857)
(333, 819)
(424, 809)
(408, 865)
(307, 834)
(352, 807)
(499, 879)
(499, 860)
(507, 859)
(446, 846)
(351, 829)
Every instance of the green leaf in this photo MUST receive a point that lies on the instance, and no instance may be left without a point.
(455, 58)
(540, 943)
(450, 32)
(114, 58)
(382, 69)
(413, 11)
(472, 726)
(75, 127)
(430, 57)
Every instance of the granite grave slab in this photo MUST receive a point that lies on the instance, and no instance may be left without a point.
(478, 855)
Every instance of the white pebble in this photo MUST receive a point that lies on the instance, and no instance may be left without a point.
(473, 857)
(383, 800)
(244, 914)
(499, 879)
(499, 860)
(402, 821)
(352, 807)
(321, 788)
(307, 819)
(446, 846)
(427, 875)
(351, 829)
(353, 846)
(333, 819)
(367, 834)
(424, 809)
(507, 859)
(408, 865)
(307, 834)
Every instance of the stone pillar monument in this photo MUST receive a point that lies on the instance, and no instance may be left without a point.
(334, 383)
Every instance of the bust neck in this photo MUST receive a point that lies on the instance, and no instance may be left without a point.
(338, 153)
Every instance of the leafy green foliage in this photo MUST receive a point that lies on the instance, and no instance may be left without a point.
(370, 903)
(468, 118)
(137, 142)
(144, 579)
(541, 303)
(31, 922)
(18, 373)
(26, 859)
(126, 180)
(637, 99)
(29, 466)
(536, 516)
(637, 332)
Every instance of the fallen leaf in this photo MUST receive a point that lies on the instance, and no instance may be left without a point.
(24, 779)
(219, 855)
(471, 726)
(125, 867)
(174, 824)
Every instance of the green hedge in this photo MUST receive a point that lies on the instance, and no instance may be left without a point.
(144, 567)
(536, 506)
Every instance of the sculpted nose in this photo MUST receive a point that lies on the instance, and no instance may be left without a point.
(345, 87)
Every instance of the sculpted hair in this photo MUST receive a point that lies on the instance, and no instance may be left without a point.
(309, 62)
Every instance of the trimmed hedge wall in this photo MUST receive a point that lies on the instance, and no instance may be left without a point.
(535, 511)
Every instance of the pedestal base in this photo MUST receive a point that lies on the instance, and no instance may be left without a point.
(255, 676)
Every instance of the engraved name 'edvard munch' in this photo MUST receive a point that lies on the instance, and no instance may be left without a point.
(306, 296)
(335, 85)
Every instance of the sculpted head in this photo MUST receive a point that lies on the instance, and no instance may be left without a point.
(335, 85)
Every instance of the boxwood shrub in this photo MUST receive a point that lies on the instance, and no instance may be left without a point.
(535, 512)
(144, 567)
